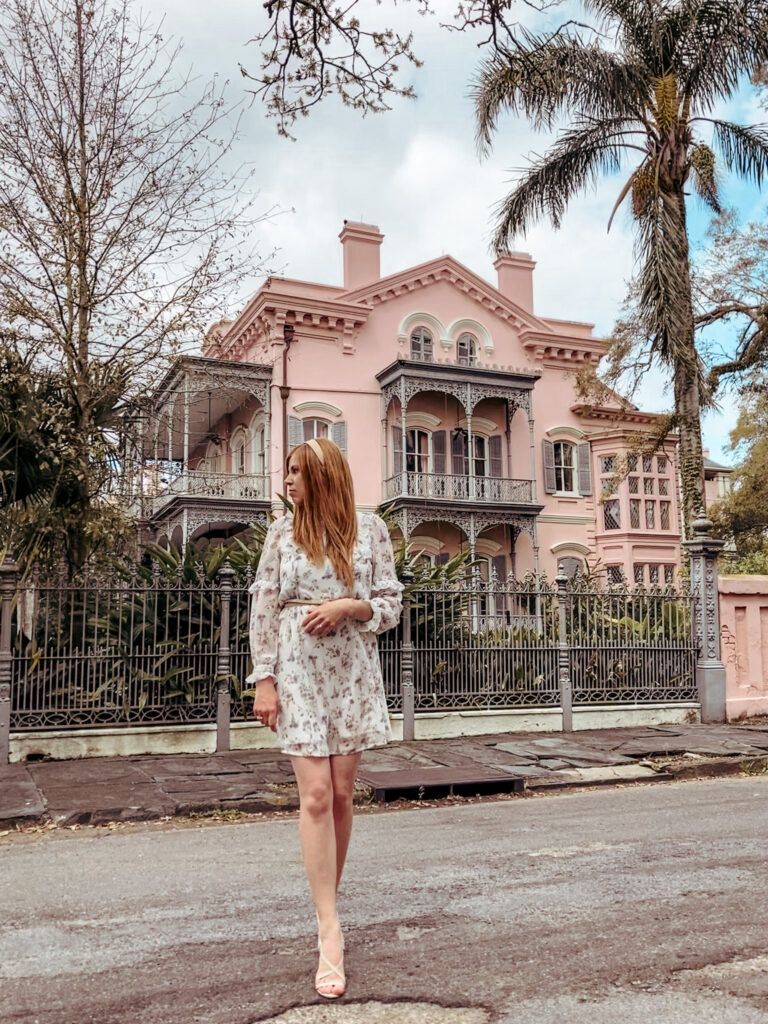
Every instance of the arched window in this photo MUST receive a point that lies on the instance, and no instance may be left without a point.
(565, 467)
(466, 350)
(421, 345)
(314, 428)
(239, 451)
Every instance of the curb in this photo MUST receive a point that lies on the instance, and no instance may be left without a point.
(267, 803)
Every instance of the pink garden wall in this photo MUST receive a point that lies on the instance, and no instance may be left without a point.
(744, 644)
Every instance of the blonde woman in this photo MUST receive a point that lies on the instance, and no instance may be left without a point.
(326, 585)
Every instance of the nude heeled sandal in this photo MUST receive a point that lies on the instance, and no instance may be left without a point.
(333, 969)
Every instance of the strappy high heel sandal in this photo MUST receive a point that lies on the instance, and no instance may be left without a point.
(333, 969)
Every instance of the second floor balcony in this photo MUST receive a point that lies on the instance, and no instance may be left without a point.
(458, 487)
(215, 487)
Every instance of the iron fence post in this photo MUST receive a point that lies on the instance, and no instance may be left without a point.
(703, 550)
(226, 577)
(406, 667)
(8, 579)
(564, 654)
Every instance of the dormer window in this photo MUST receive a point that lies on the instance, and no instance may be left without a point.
(422, 348)
(466, 350)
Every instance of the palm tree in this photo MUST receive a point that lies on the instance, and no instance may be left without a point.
(643, 86)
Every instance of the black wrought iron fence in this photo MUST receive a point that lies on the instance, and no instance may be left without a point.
(146, 649)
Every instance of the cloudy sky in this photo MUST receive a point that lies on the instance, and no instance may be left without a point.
(415, 172)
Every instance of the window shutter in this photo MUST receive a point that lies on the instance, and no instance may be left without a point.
(438, 451)
(442, 557)
(397, 451)
(339, 434)
(295, 431)
(548, 450)
(494, 448)
(459, 461)
(499, 563)
(585, 473)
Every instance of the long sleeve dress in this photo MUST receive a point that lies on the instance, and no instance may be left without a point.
(330, 688)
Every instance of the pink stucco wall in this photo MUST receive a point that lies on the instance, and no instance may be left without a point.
(744, 643)
(345, 334)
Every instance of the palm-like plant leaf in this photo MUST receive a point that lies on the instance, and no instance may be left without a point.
(545, 190)
(549, 76)
(744, 149)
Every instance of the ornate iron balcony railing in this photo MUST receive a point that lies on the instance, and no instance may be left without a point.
(456, 487)
(194, 484)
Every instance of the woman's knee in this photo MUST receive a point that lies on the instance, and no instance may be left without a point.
(317, 799)
(343, 793)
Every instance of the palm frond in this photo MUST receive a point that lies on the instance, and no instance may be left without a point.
(744, 149)
(549, 76)
(704, 176)
(573, 163)
(719, 44)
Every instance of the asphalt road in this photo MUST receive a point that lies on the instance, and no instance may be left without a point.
(620, 906)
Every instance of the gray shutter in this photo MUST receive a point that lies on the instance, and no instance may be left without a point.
(494, 449)
(459, 462)
(397, 451)
(499, 563)
(585, 473)
(438, 451)
(295, 431)
(339, 434)
(548, 450)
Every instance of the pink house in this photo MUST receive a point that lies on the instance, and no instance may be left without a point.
(454, 401)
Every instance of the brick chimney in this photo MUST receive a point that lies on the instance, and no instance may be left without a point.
(515, 272)
(361, 244)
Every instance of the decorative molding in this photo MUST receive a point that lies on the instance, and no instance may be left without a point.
(568, 431)
(413, 319)
(471, 523)
(570, 545)
(469, 326)
(422, 419)
(572, 520)
(480, 425)
(324, 408)
(431, 545)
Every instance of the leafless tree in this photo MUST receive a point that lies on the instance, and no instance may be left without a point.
(123, 224)
(312, 49)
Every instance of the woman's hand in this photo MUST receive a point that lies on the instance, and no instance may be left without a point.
(324, 618)
(266, 703)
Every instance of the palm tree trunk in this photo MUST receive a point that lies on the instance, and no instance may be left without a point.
(687, 376)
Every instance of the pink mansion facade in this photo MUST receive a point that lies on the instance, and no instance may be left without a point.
(454, 402)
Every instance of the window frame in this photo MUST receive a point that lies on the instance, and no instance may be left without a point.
(558, 446)
(421, 336)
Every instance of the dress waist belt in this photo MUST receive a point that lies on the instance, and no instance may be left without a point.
(306, 600)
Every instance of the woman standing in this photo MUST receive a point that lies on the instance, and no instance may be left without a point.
(326, 585)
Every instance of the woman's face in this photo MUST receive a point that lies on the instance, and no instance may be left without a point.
(294, 483)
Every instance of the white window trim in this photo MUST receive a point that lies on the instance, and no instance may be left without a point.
(574, 469)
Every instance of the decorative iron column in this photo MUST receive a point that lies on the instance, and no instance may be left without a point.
(703, 550)
(406, 666)
(8, 578)
(564, 653)
(226, 577)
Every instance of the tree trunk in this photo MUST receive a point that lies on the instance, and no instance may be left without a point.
(687, 376)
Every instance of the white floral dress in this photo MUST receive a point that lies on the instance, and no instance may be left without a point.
(330, 688)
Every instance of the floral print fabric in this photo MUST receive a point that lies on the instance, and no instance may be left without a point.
(330, 688)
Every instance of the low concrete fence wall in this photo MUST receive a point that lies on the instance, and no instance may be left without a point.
(744, 644)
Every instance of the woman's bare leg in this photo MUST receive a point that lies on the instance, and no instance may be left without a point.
(318, 846)
(343, 772)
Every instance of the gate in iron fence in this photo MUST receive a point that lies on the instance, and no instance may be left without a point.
(146, 649)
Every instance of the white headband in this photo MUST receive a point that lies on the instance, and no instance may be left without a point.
(317, 450)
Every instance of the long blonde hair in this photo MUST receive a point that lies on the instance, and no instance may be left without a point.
(325, 522)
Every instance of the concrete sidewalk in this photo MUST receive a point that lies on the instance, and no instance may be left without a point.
(99, 790)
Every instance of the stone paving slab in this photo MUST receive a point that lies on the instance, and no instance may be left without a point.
(141, 787)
